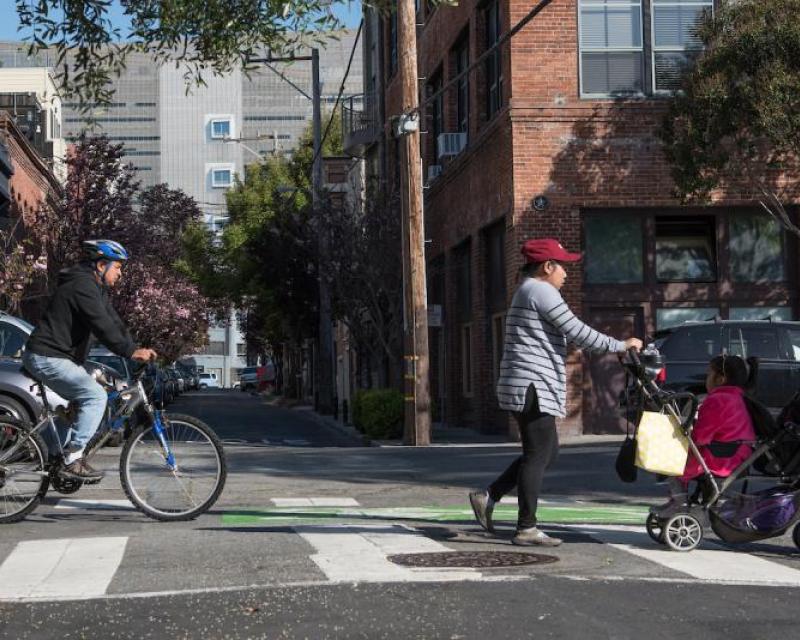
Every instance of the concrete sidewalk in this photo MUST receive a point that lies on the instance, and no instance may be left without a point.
(456, 436)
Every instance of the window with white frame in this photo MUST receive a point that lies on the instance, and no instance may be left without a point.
(675, 42)
(221, 178)
(637, 47)
(220, 128)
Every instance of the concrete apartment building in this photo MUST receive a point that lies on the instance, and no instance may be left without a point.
(199, 142)
(555, 135)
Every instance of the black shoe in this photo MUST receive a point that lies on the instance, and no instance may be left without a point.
(80, 470)
(482, 507)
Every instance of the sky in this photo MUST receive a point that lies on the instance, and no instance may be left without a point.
(348, 11)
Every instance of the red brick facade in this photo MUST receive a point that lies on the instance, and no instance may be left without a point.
(585, 156)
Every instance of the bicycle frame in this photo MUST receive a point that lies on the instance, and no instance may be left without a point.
(135, 397)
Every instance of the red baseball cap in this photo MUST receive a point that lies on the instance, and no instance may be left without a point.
(544, 249)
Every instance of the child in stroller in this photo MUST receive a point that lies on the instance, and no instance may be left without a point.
(734, 441)
(723, 432)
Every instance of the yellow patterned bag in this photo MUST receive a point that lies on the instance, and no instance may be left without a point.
(661, 446)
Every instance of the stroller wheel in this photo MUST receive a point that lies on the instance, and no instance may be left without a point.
(654, 529)
(683, 532)
(796, 535)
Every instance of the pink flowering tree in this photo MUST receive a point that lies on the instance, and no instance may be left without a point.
(21, 266)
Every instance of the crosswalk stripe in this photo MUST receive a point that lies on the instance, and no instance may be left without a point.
(357, 553)
(704, 563)
(62, 568)
(314, 502)
(75, 503)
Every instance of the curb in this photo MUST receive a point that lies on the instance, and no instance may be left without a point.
(342, 429)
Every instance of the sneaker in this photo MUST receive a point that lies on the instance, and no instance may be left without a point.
(482, 507)
(79, 470)
(534, 537)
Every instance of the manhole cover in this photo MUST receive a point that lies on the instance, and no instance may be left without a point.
(479, 559)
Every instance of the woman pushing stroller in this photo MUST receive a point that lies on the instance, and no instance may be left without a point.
(723, 431)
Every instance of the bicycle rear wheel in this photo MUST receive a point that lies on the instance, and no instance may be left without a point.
(23, 475)
(165, 493)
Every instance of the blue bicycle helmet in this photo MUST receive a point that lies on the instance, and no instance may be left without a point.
(104, 250)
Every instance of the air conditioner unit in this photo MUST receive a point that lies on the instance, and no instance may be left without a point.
(434, 171)
(451, 144)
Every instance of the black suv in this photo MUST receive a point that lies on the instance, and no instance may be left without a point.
(689, 347)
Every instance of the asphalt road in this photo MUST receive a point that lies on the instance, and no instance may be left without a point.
(299, 546)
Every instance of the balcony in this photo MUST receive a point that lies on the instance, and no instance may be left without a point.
(361, 123)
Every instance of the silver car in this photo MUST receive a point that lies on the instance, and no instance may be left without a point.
(18, 395)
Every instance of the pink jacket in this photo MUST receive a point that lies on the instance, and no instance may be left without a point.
(723, 417)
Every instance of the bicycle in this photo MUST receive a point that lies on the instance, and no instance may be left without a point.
(172, 467)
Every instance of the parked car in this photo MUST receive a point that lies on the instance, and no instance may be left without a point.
(179, 379)
(688, 348)
(18, 395)
(171, 384)
(248, 379)
(189, 372)
(209, 381)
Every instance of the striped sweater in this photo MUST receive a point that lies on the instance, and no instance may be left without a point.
(538, 326)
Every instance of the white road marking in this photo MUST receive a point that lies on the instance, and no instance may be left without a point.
(70, 567)
(74, 503)
(315, 502)
(357, 553)
(708, 563)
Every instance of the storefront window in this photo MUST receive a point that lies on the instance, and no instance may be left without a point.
(666, 318)
(756, 249)
(613, 249)
(686, 249)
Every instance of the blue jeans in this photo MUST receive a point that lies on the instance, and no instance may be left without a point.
(72, 382)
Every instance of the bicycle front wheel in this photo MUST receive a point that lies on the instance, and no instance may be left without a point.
(181, 490)
(23, 475)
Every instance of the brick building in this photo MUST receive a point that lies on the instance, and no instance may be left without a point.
(554, 134)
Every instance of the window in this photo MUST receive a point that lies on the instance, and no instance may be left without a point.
(498, 341)
(466, 360)
(754, 341)
(675, 42)
(794, 340)
(760, 313)
(221, 178)
(241, 349)
(666, 318)
(463, 273)
(686, 249)
(215, 348)
(494, 63)
(618, 49)
(462, 86)
(756, 249)
(611, 54)
(613, 249)
(495, 265)
(12, 340)
(693, 344)
(220, 129)
(437, 108)
(393, 40)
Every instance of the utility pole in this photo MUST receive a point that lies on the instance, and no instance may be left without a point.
(324, 365)
(325, 357)
(417, 428)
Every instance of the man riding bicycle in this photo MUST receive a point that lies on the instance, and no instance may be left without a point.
(79, 309)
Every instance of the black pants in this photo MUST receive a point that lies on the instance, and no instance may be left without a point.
(539, 451)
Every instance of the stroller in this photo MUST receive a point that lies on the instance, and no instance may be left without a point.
(735, 516)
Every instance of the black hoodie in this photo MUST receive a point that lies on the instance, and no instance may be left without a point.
(79, 309)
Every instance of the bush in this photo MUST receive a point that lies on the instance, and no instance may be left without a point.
(378, 413)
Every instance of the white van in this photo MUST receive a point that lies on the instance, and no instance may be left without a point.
(208, 381)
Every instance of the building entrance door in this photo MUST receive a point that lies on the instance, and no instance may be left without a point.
(603, 377)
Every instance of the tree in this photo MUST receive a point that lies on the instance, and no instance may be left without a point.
(736, 121)
(161, 305)
(203, 35)
(21, 264)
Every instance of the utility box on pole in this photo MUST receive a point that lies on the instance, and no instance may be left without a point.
(417, 428)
